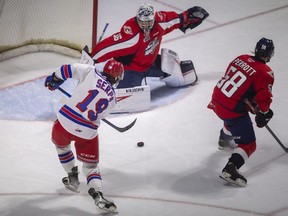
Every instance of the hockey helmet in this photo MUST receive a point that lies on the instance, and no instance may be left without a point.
(114, 71)
(145, 17)
(264, 49)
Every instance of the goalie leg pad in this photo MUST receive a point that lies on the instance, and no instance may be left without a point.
(188, 72)
(180, 73)
(170, 62)
(134, 99)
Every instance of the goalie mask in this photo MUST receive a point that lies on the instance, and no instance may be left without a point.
(264, 49)
(145, 17)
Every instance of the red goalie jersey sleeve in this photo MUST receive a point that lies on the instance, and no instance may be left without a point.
(131, 47)
(244, 78)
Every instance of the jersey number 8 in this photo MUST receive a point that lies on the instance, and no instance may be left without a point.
(231, 82)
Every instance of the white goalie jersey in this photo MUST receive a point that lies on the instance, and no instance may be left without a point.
(92, 99)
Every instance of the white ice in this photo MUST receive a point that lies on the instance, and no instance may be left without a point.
(177, 171)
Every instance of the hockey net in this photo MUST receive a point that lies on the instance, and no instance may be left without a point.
(62, 26)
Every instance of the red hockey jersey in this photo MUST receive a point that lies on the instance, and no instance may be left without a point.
(245, 77)
(131, 47)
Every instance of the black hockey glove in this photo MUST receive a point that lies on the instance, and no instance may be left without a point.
(262, 119)
(192, 18)
(52, 82)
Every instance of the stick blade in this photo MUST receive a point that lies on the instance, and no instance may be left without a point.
(120, 129)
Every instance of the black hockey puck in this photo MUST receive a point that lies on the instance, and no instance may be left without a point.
(140, 144)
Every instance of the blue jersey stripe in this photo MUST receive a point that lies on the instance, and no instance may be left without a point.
(76, 117)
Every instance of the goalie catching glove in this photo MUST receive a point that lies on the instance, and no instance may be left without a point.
(52, 82)
(192, 18)
(262, 119)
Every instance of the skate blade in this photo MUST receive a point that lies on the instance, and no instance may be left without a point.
(239, 182)
(69, 186)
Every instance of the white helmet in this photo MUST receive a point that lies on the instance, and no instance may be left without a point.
(145, 17)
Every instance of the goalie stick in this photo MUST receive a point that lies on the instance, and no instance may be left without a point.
(267, 127)
(85, 57)
(120, 129)
(103, 32)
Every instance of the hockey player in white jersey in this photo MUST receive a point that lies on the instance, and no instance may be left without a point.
(79, 119)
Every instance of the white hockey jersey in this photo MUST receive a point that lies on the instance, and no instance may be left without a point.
(92, 99)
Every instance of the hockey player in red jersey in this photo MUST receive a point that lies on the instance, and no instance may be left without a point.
(248, 79)
(78, 120)
(138, 43)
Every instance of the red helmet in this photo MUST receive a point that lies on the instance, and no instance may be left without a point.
(114, 71)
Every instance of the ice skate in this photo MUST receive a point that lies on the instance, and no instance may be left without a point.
(72, 182)
(231, 175)
(226, 142)
(101, 202)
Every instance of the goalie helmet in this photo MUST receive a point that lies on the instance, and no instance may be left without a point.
(145, 17)
(264, 49)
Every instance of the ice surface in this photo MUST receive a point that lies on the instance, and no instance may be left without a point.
(176, 172)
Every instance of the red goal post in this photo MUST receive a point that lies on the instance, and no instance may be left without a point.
(62, 26)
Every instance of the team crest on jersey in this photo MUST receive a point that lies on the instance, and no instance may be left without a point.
(128, 30)
(150, 49)
(146, 37)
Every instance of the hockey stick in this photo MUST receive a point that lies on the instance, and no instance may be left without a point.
(86, 49)
(120, 129)
(86, 55)
(103, 32)
(276, 138)
(267, 127)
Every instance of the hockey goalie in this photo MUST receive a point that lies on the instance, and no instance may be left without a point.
(137, 47)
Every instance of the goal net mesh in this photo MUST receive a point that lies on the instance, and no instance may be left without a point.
(63, 26)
